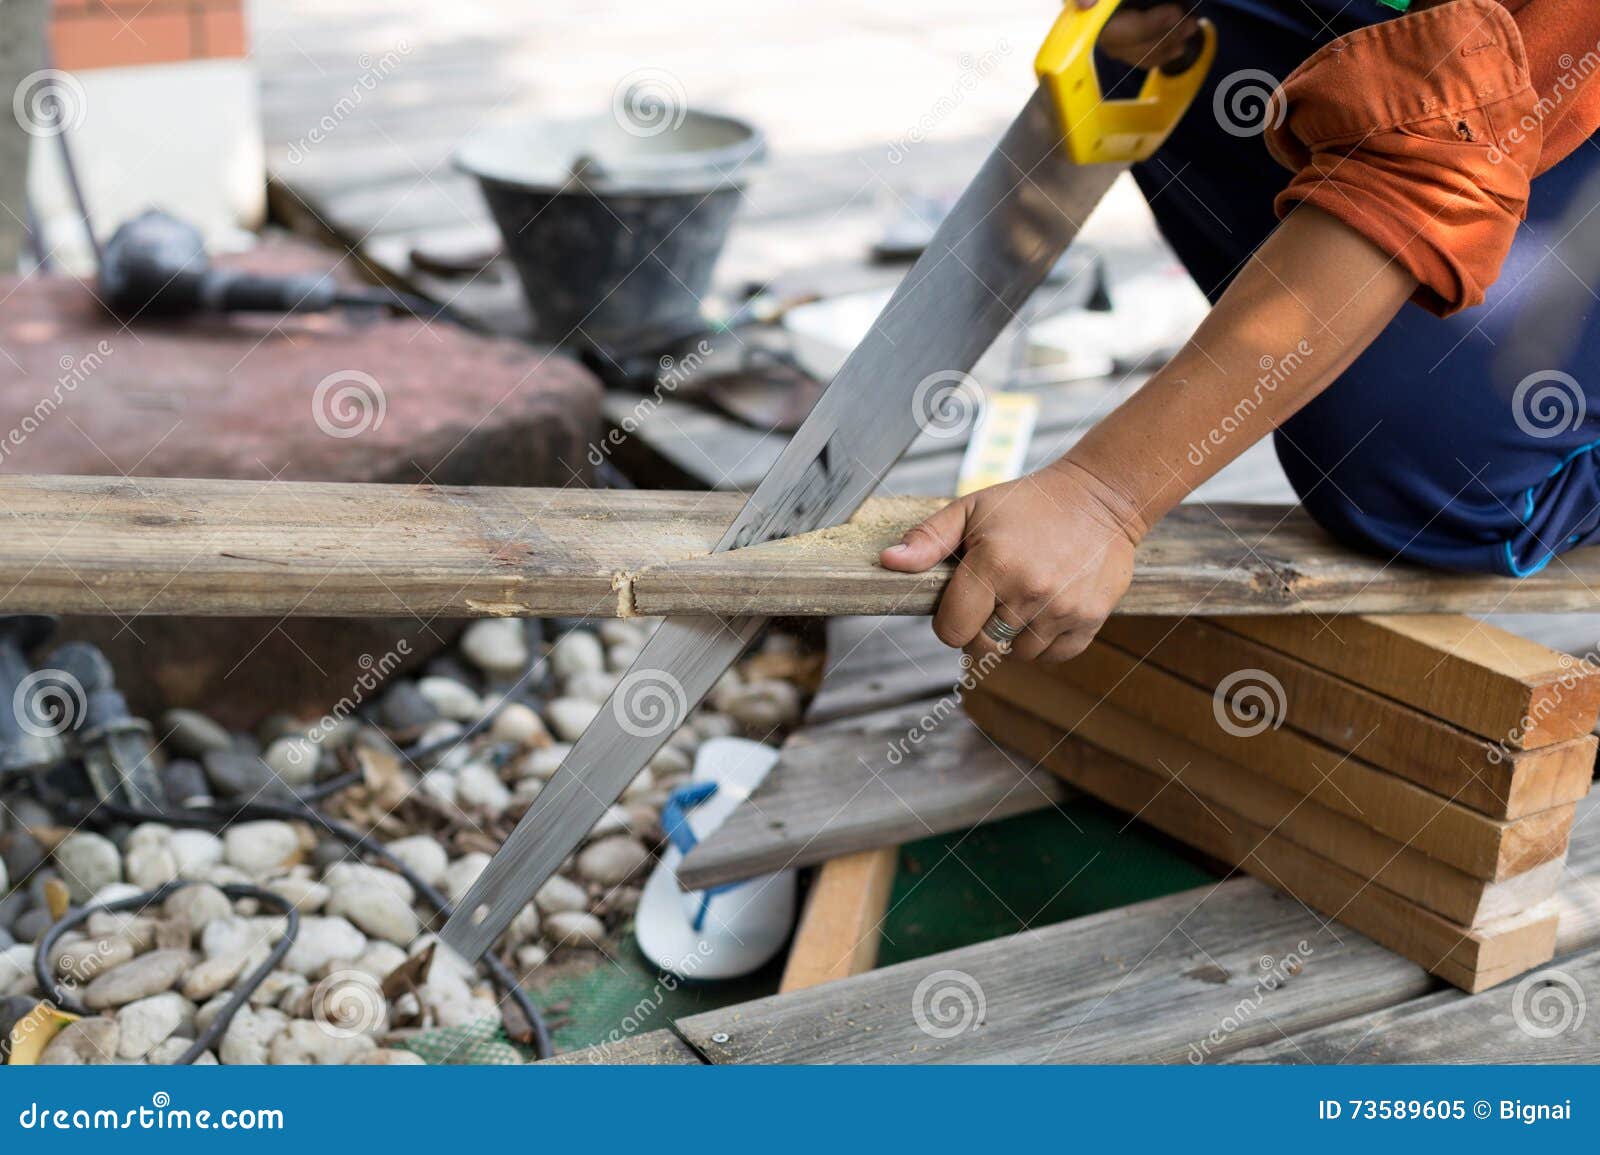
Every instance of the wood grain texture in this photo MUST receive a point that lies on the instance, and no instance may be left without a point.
(1453, 1027)
(1198, 560)
(1501, 782)
(842, 924)
(1160, 981)
(878, 662)
(168, 546)
(1175, 979)
(1489, 681)
(646, 1049)
(1175, 764)
(1471, 958)
(864, 782)
(1149, 698)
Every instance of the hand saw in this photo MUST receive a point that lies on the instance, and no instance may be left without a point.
(1010, 226)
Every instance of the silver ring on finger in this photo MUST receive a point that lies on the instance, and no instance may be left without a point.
(1001, 633)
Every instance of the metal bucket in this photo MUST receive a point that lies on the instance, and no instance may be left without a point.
(613, 226)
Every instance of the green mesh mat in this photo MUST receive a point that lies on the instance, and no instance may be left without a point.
(483, 1043)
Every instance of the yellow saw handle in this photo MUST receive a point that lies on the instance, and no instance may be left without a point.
(1100, 131)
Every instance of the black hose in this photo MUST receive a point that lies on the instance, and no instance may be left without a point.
(207, 1038)
(218, 815)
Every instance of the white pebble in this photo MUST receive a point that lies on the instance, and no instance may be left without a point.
(519, 723)
(292, 758)
(451, 698)
(496, 646)
(575, 652)
(560, 894)
(478, 785)
(462, 873)
(194, 850)
(150, 866)
(422, 855)
(546, 761)
(575, 929)
(260, 848)
(613, 860)
(87, 862)
(569, 717)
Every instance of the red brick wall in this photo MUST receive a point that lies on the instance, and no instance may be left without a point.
(114, 33)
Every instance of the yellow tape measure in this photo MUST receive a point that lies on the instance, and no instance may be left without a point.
(999, 445)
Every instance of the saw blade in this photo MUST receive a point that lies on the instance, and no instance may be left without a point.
(910, 373)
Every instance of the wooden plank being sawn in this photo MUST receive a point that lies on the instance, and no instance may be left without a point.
(132, 546)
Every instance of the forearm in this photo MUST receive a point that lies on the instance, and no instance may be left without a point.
(1310, 300)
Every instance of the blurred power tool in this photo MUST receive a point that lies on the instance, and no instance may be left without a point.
(117, 749)
(156, 266)
(70, 707)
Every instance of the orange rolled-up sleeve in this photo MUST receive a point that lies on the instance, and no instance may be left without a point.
(1421, 134)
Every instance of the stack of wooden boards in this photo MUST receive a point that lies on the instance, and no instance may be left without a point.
(1413, 777)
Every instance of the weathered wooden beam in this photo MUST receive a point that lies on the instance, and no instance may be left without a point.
(131, 546)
